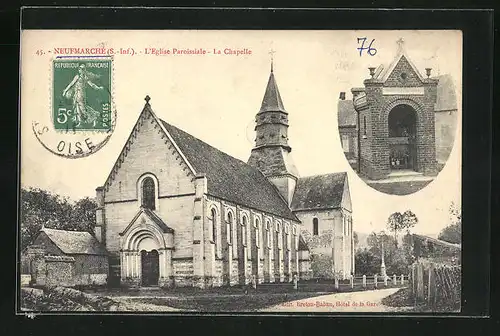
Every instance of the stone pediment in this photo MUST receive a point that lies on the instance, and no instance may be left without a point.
(144, 218)
(147, 224)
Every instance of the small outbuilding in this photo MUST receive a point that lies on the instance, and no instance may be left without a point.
(66, 258)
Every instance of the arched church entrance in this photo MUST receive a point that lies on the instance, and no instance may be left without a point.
(150, 268)
(402, 128)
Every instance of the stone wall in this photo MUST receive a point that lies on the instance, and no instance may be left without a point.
(60, 272)
(375, 148)
(175, 187)
(334, 238)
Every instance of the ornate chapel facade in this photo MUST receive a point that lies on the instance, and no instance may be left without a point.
(175, 211)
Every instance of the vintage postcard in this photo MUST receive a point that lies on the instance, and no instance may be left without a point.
(263, 172)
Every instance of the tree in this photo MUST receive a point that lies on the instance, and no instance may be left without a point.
(453, 232)
(398, 222)
(396, 260)
(83, 215)
(41, 208)
(366, 262)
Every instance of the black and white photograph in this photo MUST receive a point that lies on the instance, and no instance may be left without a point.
(398, 127)
(187, 171)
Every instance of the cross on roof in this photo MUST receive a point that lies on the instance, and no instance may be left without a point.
(400, 43)
(272, 52)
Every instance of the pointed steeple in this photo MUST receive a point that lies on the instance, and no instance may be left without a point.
(272, 99)
(271, 154)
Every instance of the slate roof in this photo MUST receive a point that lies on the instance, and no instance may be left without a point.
(446, 94)
(229, 178)
(346, 113)
(75, 242)
(319, 192)
(272, 98)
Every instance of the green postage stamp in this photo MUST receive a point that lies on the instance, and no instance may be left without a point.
(81, 115)
(81, 94)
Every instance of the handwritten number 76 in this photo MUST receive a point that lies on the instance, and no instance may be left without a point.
(371, 51)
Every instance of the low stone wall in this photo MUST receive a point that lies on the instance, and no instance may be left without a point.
(52, 271)
(59, 271)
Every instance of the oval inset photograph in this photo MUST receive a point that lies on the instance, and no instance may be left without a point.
(397, 129)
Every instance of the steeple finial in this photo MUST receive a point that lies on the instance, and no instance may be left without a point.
(400, 43)
(271, 52)
(147, 99)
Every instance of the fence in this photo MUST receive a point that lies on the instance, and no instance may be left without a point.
(355, 283)
(435, 284)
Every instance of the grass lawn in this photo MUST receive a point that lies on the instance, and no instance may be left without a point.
(403, 298)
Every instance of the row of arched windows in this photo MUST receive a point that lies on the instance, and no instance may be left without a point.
(244, 223)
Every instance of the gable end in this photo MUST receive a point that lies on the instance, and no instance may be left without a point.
(147, 115)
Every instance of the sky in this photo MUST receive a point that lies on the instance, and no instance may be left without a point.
(216, 97)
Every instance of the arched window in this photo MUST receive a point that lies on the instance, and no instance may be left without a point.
(315, 227)
(230, 228)
(257, 232)
(244, 230)
(214, 225)
(148, 193)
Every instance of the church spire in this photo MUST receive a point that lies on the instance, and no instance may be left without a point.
(272, 99)
(271, 154)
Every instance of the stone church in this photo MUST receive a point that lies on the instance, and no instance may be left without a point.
(399, 121)
(175, 211)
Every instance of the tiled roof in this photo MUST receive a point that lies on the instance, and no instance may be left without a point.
(319, 192)
(272, 99)
(75, 242)
(229, 178)
(446, 95)
(346, 113)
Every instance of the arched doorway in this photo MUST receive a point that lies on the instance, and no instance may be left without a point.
(150, 268)
(402, 126)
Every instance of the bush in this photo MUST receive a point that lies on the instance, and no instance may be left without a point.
(64, 299)
(321, 266)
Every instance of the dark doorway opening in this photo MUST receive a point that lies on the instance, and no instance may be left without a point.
(402, 138)
(150, 264)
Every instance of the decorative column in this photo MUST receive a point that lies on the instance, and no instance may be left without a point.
(198, 232)
(288, 251)
(122, 266)
(137, 264)
(271, 253)
(382, 264)
(279, 243)
(209, 247)
(343, 246)
(169, 272)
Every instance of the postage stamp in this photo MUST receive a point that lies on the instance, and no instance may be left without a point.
(82, 94)
(82, 114)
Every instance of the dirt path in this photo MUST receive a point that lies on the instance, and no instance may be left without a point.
(366, 301)
(129, 304)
